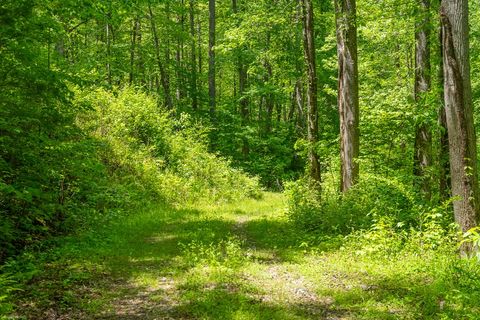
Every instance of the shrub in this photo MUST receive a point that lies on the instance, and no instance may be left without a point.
(374, 197)
(166, 157)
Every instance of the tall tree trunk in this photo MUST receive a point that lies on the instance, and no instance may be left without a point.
(167, 46)
(423, 139)
(443, 156)
(179, 56)
(109, 53)
(135, 31)
(348, 92)
(312, 115)
(242, 85)
(269, 102)
(211, 56)
(141, 62)
(459, 114)
(199, 45)
(161, 67)
(193, 63)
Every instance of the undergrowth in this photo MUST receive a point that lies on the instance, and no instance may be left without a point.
(123, 153)
(388, 231)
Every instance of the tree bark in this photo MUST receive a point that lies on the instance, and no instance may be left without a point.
(423, 138)
(109, 54)
(312, 114)
(193, 63)
(167, 48)
(199, 45)
(269, 101)
(135, 30)
(242, 85)
(161, 67)
(179, 93)
(459, 114)
(348, 92)
(211, 57)
(443, 156)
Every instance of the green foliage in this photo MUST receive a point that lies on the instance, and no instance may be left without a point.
(224, 253)
(371, 199)
(7, 286)
(48, 169)
(165, 158)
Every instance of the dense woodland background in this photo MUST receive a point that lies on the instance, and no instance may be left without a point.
(108, 105)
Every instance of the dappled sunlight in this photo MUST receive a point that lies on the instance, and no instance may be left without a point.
(234, 261)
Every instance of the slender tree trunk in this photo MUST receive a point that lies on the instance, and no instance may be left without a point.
(161, 67)
(135, 29)
(312, 115)
(193, 63)
(199, 45)
(242, 76)
(348, 92)
(269, 103)
(211, 57)
(443, 156)
(141, 62)
(109, 53)
(242, 85)
(167, 47)
(423, 138)
(459, 114)
(179, 57)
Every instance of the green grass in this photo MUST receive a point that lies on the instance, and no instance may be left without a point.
(236, 261)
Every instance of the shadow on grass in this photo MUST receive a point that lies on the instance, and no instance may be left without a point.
(228, 303)
(129, 271)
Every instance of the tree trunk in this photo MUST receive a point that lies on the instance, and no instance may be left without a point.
(135, 30)
(348, 92)
(193, 63)
(211, 56)
(242, 85)
(443, 156)
(109, 54)
(423, 140)
(199, 45)
(269, 102)
(312, 114)
(459, 114)
(179, 56)
(167, 47)
(161, 67)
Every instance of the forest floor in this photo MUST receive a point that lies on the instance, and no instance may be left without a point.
(236, 261)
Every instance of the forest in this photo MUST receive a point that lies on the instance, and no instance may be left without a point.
(234, 159)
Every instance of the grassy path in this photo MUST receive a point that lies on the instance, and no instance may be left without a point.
(238, 261)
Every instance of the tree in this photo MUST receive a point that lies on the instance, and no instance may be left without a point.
(163, 73)
(211, 56)
(193, 64)
(459, 114)
(443, 156)
(312, 103)
(423, 139)
(348, 91)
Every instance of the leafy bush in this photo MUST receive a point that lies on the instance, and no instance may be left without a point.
(370, 200)
(166, 158)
